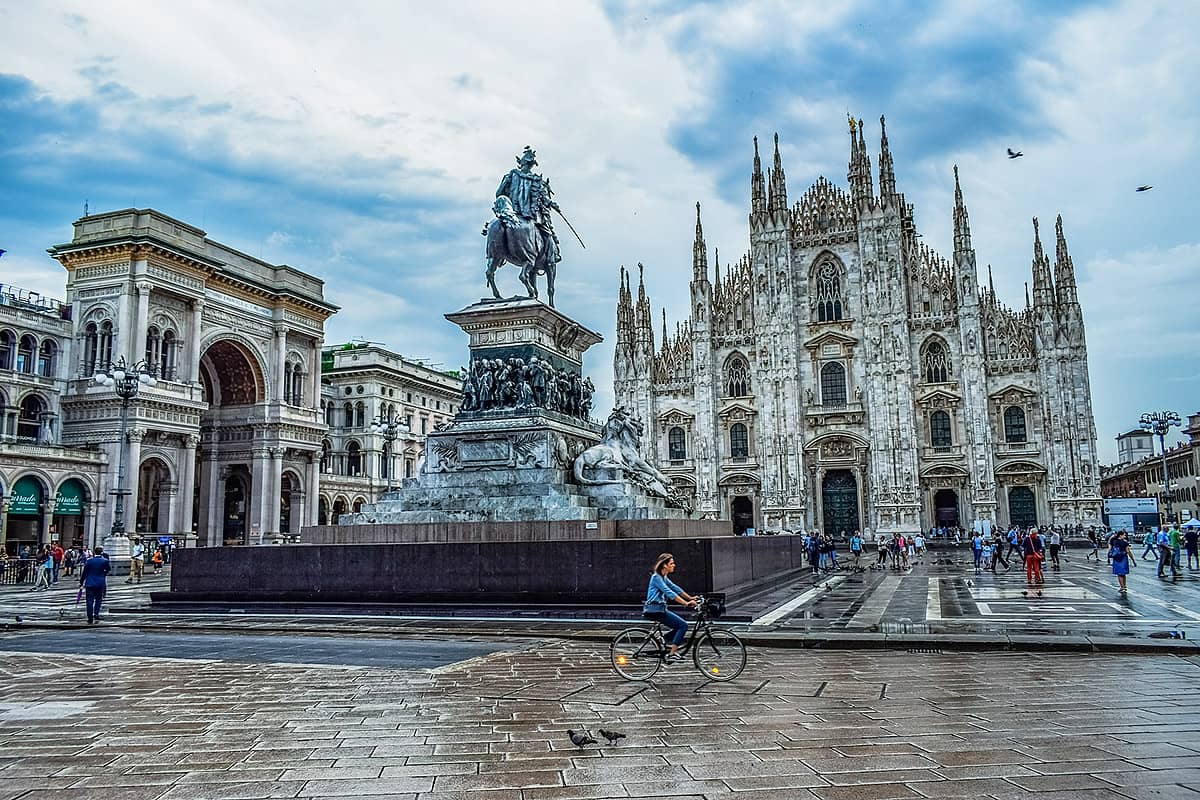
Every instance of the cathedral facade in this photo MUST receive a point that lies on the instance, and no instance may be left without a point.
(841, 375)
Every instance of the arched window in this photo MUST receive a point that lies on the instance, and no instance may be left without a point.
(939, 429)
(739, 441)
(676, 444)
(25, 351)
(737, 378)
(360, 415)
(833, 384)
(47, 356)
(8, 346)
(829, 292)
(91, 338)
(167, 359)
(29, 421)
(326, 456)
(1014, 425)
(153, 350)
(327, 409)
(348, 414)
(104, 352)
(353, 459)
(936, 363)
(295, 385)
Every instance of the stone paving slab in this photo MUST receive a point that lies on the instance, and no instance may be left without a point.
(808, 723)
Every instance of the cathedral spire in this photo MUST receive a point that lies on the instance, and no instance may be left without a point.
(758, 191)
(624, 312)
(1043, 283)
(699, 252)
(991, 283)
(867, 179)
(962, 222)
(1064, 270)
(664, 339)
(887, 173)
(717, 267)
(778, 197)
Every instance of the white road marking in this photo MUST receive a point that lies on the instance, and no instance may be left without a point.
(778, 613)
(933, 606)
(872, 611)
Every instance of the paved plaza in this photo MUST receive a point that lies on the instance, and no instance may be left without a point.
(239, 725)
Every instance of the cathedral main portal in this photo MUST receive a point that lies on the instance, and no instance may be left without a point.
(839, 500)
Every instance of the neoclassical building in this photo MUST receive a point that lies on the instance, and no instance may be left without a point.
(228, 443)
(364, 384)
(842, 375)
(48, 492)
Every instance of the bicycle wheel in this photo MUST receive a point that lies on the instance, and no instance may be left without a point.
(719, 654)
(636, 653)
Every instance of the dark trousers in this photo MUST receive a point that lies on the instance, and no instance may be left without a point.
(1166, 558)
(1054, 548)
(676, 623)
(94, 595)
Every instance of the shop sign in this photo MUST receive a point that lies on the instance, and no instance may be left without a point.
(26, 498)
(69, 500)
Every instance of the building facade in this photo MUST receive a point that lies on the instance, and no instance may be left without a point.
(50, 492)
(1144, 476)
(364, 385)
(227, 444)
(841, 375)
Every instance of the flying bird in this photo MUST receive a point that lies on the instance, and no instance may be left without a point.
(1014, 153)
(612, 736)
(1145, 187)
(580, 739)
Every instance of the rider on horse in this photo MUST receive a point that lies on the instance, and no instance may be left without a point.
(532, 199)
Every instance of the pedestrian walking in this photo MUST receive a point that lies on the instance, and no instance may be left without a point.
(919, 543)
(1166, 556)
(1150, 540)
(856, 547)
(1176, 542)
(1014, 542)
(45, 567)
(1034, 553)
(57, 553)
(157, 560)
(881, 557)
(137, 555)
(1190, 541)
(977, 550)
(1055, 546)
(998, 552)
(94, 580)
(1121, 555)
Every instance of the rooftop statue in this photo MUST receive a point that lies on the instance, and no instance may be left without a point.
(522, 234)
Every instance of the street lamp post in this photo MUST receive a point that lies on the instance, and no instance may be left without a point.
(390, 428)
(125, 381)
(1159, 423)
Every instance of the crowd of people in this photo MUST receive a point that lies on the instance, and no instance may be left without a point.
(44, 565)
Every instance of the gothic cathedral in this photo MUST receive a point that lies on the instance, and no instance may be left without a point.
(841, 375)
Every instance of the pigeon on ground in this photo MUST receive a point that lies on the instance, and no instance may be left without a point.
(580, 739)
(1145, 187)
(18, 618)
(1014, 153)
(612, 736)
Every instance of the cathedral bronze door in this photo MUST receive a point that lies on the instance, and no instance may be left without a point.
(839, 502)
(742, 509)
(1022, 507)
(945, 508)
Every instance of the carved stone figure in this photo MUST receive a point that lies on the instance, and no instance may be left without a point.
(619, 450)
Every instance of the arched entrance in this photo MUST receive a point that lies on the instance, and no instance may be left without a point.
(322, 511)
(288, 487)
(24, 524)
(340, 506)
(741, 511)
(839, 502)
(1022, 507)
(69, 504)
(154, 478)
(234, 517)
(945, 508)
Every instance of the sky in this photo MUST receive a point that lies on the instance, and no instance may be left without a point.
(363, 142)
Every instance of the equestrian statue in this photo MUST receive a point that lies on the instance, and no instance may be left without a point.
(522, 234)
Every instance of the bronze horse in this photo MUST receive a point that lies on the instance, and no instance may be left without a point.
(516, 241)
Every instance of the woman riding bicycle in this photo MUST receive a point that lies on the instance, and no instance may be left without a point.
(659, 591)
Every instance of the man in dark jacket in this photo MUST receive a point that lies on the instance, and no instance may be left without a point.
(94, 580)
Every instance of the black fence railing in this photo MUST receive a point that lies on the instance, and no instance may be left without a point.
(16, 571)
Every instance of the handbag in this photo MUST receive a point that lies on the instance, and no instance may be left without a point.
(654, 607)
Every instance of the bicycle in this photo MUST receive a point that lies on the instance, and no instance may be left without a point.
(638, 653)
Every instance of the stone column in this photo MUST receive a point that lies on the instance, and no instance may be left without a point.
(212, 502)
(192, 372)
(274, 491)
(47, 520)
(187, 485)
(256, 519)
(277, 391)
(3, 522)
(167, 507)
(137, 350)
(313, 495)
(133, 469)
(315, 377)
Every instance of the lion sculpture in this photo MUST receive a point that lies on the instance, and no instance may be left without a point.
(618, 451)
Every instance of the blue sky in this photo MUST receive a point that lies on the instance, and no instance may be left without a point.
(363, 142)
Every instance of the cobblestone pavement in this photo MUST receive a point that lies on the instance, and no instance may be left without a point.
(797, 724)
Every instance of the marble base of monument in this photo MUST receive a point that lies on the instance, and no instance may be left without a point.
(573, 573)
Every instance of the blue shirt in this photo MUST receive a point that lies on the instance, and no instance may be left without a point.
(661, 589)
(95, 570)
